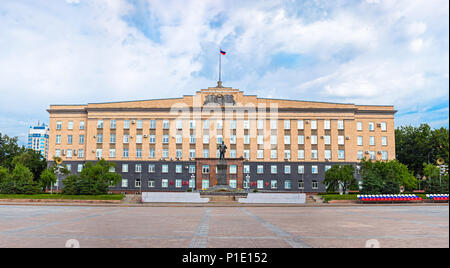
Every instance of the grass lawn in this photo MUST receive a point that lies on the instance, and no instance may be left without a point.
(328, 197)
(61, 196)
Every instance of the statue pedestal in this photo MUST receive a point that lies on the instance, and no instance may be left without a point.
(222, 172)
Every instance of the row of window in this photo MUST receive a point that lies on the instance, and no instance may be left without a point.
(219, 124)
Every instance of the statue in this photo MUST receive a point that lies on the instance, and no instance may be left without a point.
(222, 149)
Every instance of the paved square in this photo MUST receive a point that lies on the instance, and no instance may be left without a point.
(234, 227)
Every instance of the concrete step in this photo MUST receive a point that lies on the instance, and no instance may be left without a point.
(167, 197)
(274, 198)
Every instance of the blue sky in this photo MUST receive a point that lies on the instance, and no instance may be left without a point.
(362, 52)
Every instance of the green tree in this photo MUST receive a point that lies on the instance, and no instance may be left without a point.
(47, 179)
(435, 184)
(20, 181)
(33, 160)
(3, 174)
(93, 180)
(385, 177)
(8, 150)
(340, 176)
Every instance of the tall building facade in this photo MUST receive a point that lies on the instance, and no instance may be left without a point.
(171, 144)
(38, 139)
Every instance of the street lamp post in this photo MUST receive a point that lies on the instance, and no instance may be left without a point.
(247, 179)
(193, 180)
(418, 178)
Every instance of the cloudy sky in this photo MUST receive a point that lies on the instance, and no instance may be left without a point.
(353, 51)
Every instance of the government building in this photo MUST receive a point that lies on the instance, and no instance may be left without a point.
(171, 144)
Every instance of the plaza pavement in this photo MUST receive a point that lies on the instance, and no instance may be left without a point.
(222, 226)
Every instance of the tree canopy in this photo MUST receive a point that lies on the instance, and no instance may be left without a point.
(342, 176)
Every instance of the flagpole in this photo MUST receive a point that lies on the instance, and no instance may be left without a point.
(220, 65)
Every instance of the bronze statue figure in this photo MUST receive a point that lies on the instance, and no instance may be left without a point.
(222, 149)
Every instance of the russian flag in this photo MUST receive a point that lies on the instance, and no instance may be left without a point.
(223, 52)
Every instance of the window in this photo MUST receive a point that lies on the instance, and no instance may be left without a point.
(138, 168)
(233, 169)
(246, 139)
(138, 139)
(139, 153)
(340, 124)
(313, 154)
(301, 139)
(287, 169)
(219, 124)
(81, 125)
(327, 167)
(313, 124)
(247, 154)
(301, 154)
(191, 168)
(313, 139)
(152, 124)
(124, 168)
(166, 124)
(273, 154)
(260, 139)
(124, 183)
(384, 155)
(372, 155)
(341, 140)
(273, 184)
(273, 124)
(152, 153)
(80, 167)
(165, 153)
(232, 139)
(125, 152)
(246, 169)
(233, 153)
(99, 138)
(205, 169)
(179, 139)
(164, 183)
(205, 184)
(371, 126)
(205, 124)
(70, 125)
(113, 124)
(192, 153)
(300, 124)
(260, 154)
(112, 138)
(273, 169)
(192, 124)
(165, 139)
(287, 139)
(301, 184)
(327, 139)
(314, 170)
(126, 138)
(205, 139)
(178, 169)
(372, 140)
(326, 124)
(152, 139)
(260, 184)
(360, 155)
(58, 139)
(260, 169)
(287, 154)
(165, 169)
(246, 124)
(99, 153)
(384, 141)
(151, 168)
(273, 139)
(315, 185)
(287, 184)
(100, 124)
(80, 153)
(69, 153)
(232, 124)
(112, 153)
(301, 169)
(383, 126)
(359, 140)
(341, 154)
(219, 139)
(328, 154)
(151, 183)
(359, 126)
(179, 153)
(177, 183)
(126, 124)
(287, 124)
(260, 124)
(179, 124)
(191, 183)
(58, 125)
(205, 153)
